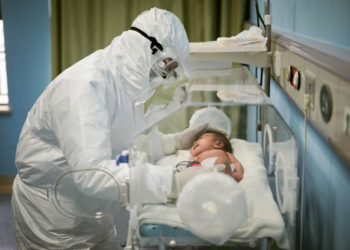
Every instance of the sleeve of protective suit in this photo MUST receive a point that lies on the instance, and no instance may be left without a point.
(181, 140)
(81, 116)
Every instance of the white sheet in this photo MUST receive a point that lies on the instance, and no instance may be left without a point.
(265, 220)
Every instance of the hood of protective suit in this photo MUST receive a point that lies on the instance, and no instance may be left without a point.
(132, 55)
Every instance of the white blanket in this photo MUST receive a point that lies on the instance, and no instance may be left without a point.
(265, 220)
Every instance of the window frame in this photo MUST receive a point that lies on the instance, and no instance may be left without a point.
(4, 97)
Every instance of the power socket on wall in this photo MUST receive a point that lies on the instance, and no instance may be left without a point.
(310, 87)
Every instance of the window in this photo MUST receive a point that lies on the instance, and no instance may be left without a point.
(4, 99)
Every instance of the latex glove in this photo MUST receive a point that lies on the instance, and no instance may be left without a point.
(216, 129)
(181, 140)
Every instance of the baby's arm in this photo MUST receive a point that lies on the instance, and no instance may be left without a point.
(239, 170)
(223, 159)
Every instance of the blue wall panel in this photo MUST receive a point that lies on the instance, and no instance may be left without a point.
(28, 56)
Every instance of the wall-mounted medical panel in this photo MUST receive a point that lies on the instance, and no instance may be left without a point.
(317, 81)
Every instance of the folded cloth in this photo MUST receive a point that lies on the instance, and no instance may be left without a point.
(251, 36)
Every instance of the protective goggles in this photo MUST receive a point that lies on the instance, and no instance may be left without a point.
(165, 63)
(165, 59)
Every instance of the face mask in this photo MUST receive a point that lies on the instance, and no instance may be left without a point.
(166, 65)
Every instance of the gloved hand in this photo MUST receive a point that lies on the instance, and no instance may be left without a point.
(181, 140)
(181, 178)
(216, 129)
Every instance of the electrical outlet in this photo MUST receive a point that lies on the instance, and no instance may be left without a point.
(310, 87)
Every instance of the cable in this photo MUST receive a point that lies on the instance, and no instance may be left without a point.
(258, 16)
(261, 76)
(257, 13)
(307, 101)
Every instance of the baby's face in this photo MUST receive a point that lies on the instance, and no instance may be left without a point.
(205, 142)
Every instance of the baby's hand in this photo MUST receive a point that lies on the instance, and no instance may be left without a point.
(238, 176)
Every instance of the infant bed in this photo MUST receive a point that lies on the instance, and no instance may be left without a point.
(265, 220)
(263, 144)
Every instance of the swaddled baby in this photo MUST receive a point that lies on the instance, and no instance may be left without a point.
(211, 149)
(211, 197)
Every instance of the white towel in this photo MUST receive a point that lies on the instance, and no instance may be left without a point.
(251, 36)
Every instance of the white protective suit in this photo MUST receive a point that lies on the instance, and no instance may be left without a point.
(83, 120)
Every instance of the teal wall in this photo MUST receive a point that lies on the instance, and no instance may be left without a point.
(322, 20)
(326, 213)
(28, 57)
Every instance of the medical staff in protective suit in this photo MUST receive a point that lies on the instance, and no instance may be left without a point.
(83, 120)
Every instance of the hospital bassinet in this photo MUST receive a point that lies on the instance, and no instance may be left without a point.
(261, 141)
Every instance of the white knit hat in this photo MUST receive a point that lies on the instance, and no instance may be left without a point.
(217, 119)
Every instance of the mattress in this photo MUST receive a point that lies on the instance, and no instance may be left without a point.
(265, 219)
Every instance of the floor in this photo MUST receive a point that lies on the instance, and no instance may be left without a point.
(7, 239)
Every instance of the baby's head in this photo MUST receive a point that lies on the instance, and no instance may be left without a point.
(210, 140)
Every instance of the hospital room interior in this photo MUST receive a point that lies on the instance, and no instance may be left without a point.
(272, 76)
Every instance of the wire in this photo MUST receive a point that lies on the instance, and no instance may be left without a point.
(257, 13)
(261, 76)
(258, 16)
(307, 100)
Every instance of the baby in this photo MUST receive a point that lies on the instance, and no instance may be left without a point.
(215, 147)
(210, 149)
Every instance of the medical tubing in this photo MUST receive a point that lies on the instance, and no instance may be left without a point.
(153, 40)
(259, 18)
(306, 109)
(258, 15)
(268, 45)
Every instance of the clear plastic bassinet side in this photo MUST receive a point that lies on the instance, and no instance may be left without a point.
(281, 158)
(235, 92)
(87, 202)
(150, 183)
